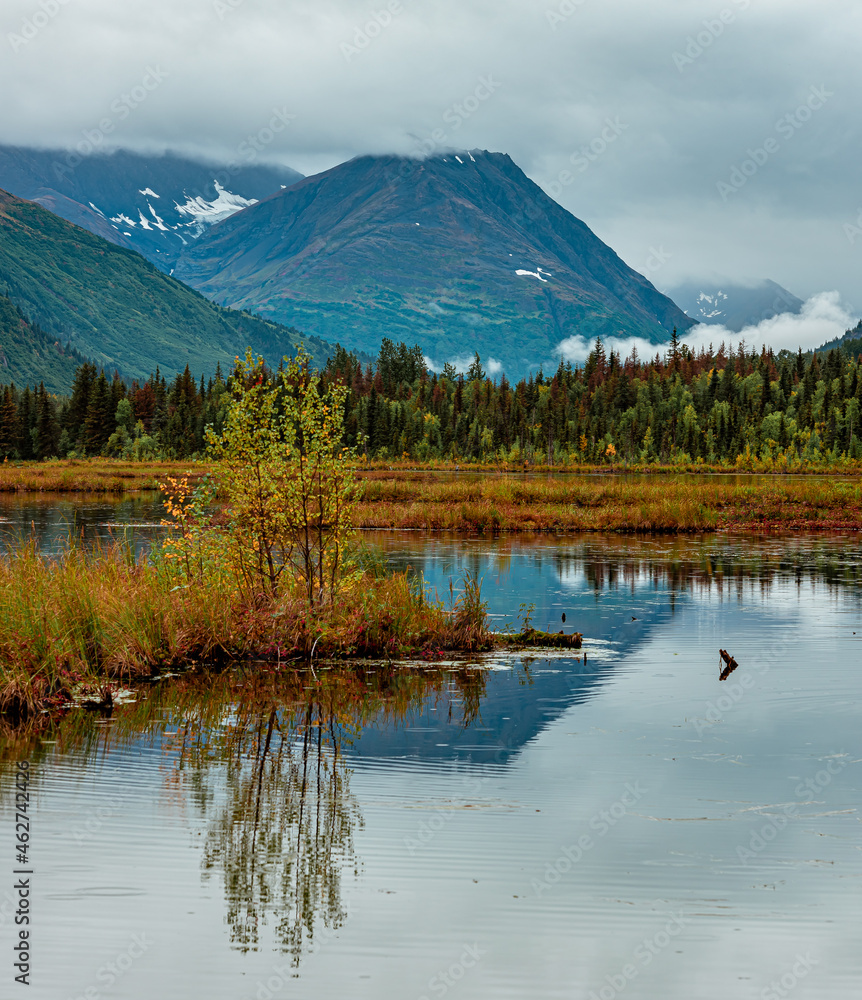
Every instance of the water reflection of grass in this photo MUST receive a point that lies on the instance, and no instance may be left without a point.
(213, 708)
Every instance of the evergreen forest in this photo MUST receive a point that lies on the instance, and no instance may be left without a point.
(733, 407)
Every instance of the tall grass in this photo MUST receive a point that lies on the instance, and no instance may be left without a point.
(109, 475)
(72, 623)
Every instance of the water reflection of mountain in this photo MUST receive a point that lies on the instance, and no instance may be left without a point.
(600, 597)
(616, 590)
(516, 706)
(260, 763)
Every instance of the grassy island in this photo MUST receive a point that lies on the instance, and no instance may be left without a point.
(609, 503)
(74, 627)
(267, 573)
(491, 499)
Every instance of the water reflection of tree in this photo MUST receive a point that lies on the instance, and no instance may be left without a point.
(283, 833)
(726, 566)
(258, 755)
(280, 814)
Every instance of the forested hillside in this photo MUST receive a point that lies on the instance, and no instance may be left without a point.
(682, 408)
(28, 354)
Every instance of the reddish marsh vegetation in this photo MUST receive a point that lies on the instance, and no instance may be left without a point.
(504, 503)
(90, 619)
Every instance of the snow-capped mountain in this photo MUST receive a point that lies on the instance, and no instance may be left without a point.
(456, 252)
(157, 205)
(203, 213)
(71, 295)
(735, 306)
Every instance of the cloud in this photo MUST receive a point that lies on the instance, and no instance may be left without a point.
(618, 108)
(462, 362)
(823, 318)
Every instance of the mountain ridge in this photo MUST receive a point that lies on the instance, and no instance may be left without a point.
(116, 308)
(458, 252)
(155, 204)
(733, 305)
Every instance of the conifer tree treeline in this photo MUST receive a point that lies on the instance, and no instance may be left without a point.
(105, 416)
(724, 406)
(711, 406)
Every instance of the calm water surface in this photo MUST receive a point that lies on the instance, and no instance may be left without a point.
(55, 518)
(540, 828)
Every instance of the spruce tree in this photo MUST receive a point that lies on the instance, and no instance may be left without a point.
(476, 373)
(99, 422)
(76, 415)
(47, 437)
(24, 426)
(8, 415)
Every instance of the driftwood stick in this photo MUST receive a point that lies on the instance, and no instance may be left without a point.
(731, 664)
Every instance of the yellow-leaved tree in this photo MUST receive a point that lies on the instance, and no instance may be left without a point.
(287, 480)
(321, 487)
(287, 486)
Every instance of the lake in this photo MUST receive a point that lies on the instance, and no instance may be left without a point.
(525, 827)
(54, 518)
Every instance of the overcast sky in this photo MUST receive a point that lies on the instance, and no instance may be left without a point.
(667, 96)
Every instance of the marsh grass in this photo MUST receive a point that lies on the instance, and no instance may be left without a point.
(77, 621)
(660, 504)
(108, 475)
(101, 475)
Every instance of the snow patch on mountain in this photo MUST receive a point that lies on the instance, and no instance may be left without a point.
(704, 301)
(124, 219)
(159, 222)
(534, 274)
(148, 193)
(206, 213)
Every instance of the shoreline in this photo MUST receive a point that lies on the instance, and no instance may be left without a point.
(116, 476)
(106, 693)
(476, 501)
